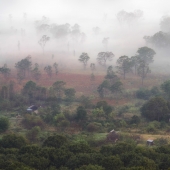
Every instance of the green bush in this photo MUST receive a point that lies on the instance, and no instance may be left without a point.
(4, 124)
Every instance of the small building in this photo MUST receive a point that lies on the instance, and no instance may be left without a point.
(150, 142)
(32, 108)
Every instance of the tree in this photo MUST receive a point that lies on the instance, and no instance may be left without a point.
(135, 62)
(84, 59)
(111, 76)
(70, 93)
(159, 39)
(143, 70)
(23, 67)
(165, 24)
(48, 70)
(58, 88)
(13, 141)
(103, 57)
(146, 54)
(55, 65)
(92, 66)
(36, 72)
(81, 114)
(112, 161)
(129, 17)
(124, 65)
(116, 87)
(42, 42)
(55, 141)
(105, 42)
(166, 88)
(90, 167)
(4, 124)
(32, 134)
(102, 88)
(155, 109)
(29, 89)
(5, 71)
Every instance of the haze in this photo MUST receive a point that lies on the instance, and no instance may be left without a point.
(124, 39)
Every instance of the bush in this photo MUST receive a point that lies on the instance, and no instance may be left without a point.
(4, 124)
(144, 94)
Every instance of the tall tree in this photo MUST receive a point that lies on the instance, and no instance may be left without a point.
(124, 65)
(36, 74)
(84, 57)
(103, 57)
(145, 56)
(48, 70)
(23, 67)
(42, 42)
(143, 70)
(58, 87)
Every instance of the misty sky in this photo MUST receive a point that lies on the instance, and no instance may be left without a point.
(88, 14)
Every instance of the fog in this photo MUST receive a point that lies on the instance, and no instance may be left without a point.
(19, 35)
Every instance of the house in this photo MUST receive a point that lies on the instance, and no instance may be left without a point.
(32, 108)
(150, 142)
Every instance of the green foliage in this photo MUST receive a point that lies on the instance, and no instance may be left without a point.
(90, 167)
(31, 121)
(55, 141)
(112, 163)
(135, 120)
(13, 141)
(4, 124)
(106, 108)
(32, 135)
(81, 114)
(166, 88)
(70, 94)
(155, 109)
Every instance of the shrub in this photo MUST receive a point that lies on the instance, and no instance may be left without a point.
(4, 124)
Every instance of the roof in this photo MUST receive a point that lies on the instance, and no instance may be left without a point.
(149, 140)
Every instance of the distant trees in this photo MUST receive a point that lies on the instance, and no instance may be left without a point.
(111, 83)
(145, 57)
(165, 24)
(36, 74)
(23, 68)
(103, 57)
(42, 42)
(48, 70)
(84, 57)
(5, 71)
(159, 39)
(124, 65)
(129, 17)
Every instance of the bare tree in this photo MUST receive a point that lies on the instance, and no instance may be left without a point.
(42, 42)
